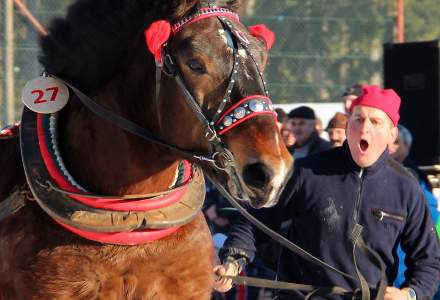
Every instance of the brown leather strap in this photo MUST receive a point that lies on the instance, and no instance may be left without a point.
(281, 285)
(49, 185)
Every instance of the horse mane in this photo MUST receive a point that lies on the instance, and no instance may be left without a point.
(93, 42)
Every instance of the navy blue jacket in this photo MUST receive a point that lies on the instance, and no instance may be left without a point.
(327, 194)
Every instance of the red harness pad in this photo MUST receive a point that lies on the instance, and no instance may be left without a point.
(10, 131)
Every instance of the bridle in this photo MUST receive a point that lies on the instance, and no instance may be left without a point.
(222, 121)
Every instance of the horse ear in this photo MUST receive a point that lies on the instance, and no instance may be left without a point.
(263, 33)
(156, 36)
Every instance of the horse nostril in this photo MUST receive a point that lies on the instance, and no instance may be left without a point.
(256, 175)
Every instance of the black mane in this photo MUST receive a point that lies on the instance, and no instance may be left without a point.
(93, 42)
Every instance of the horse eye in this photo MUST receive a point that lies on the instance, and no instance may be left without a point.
(196, 66)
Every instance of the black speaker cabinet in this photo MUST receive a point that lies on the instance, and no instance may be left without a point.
(412, 70)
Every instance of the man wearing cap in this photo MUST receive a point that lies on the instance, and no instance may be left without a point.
(356, 186)
(336, 129)
(307, 140)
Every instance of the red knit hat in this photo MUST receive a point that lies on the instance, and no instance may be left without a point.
(384, 99)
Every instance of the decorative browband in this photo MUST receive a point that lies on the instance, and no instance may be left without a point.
(204, 13)
(243, 110)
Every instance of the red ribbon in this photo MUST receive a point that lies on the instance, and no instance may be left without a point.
(156, 36)
(260, 31)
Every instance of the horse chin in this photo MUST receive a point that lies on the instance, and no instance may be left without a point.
(261, 202)
(253, 197)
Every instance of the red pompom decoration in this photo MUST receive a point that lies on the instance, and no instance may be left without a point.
(260, 31)
(156, 36)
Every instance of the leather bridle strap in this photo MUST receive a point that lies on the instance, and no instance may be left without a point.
(132, 127)
(209, 126)
(221, 159)
(209, 132)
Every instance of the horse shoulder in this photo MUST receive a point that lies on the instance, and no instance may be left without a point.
(176, 267)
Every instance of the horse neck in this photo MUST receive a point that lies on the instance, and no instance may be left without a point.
(104, 158)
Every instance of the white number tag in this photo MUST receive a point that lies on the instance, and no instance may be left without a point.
(45, 95)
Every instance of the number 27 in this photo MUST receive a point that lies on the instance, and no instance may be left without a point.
(40, 94)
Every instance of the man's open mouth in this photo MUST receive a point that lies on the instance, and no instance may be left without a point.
(363, 144)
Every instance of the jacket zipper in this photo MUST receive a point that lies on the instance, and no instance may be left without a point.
(358, 200)
(380, 215)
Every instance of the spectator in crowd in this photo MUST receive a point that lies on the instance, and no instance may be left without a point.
(339, 190)
(318, 125)
(307, 140)
(336, 129)
(288, 136)
(281, 117)
(400, 149)
(351, 94)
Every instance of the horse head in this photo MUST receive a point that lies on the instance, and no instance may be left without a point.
(200, 89)
(221, 65)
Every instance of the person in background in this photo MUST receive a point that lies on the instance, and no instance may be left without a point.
(288, 136)
(400, 150)
(336, 129)
(281, 117)
(353, 190)
(318, 125)
(350, 95)
(307, 140)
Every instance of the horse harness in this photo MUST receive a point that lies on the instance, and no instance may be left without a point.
(63, 202)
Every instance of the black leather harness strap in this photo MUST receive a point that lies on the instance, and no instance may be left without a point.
(355, 236)
(130, 126)
(374, 257)
(49, 185)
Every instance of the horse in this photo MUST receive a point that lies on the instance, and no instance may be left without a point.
(109, 194)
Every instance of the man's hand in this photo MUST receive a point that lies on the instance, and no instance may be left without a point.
(224, 284)
(393, 293)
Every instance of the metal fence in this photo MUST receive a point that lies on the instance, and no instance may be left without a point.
(322, 46)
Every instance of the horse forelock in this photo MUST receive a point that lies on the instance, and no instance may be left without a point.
(95, 39)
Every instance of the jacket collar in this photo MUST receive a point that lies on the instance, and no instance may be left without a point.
(380, 162)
